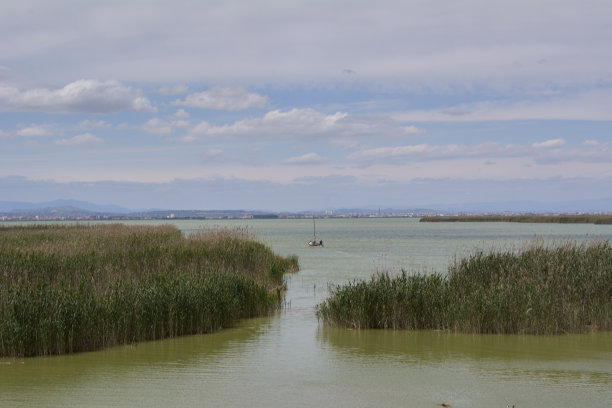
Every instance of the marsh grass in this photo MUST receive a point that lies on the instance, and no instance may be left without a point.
(74, 288)
(536, 289)
(556, 219)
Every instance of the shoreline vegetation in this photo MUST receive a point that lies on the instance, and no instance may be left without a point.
(66, 289)
(558, 219)
(540, 289)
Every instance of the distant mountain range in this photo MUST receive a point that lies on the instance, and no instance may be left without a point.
(73, 209)
(19, 206)
(83, 209)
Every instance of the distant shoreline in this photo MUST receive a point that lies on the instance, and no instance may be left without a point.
(71, 213)
(553, 219)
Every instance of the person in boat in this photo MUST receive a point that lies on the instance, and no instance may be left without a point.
(321, 242)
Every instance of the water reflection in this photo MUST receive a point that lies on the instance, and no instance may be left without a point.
(113, 376)
(574, 360)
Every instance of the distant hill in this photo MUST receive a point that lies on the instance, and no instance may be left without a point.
(81, 210)
(74, 209)
(54, 212)
(68, 205)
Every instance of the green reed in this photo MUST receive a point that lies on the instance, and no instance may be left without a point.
(537, 289)
(75, 288)
(557, 219)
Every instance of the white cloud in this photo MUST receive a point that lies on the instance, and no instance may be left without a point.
(157, 126)
(307, 122)
(384, 153)
(213, 155)
(181, 114)
(547, 152)
(425, 152)
(35, 130)
(92, 124)
(224, 98)
(143, 104)
(180, 119)
(173, 90)
(79, 96)
(294, 123)
(548, 144)
(475, 42)
(587, 105)
(585, 153)
(591, 143)
(86, 140)
(412, 130)
(180, 123)
(164, 127)
(308, 158)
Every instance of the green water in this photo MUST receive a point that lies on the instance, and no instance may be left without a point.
(290, 359)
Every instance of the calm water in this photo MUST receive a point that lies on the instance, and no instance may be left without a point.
(291, 360)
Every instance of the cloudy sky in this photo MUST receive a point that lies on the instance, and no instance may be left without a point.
(301, 105)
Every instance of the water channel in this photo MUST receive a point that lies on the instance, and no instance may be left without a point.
(292, 360)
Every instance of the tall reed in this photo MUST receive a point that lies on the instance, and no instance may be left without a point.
(537, 289)
(558, 219)
(75, 288)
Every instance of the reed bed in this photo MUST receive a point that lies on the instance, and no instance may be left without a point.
(75, 288)
(539, 288)
(557, 219)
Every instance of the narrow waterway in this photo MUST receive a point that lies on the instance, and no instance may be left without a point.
(290, 359)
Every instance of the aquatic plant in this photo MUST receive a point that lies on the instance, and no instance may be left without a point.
(557, 219)
(75, 288)
(536, 289)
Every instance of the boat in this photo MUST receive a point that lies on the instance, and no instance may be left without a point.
(314, 242)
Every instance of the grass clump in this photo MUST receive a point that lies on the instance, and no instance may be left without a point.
(75, 288)
(538, 289)
(546, 219)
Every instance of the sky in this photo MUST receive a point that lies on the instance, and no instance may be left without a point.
(306, 105)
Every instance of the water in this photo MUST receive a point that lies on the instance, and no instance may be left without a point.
(291, 360)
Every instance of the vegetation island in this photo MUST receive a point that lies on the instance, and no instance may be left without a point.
(536, 289)
(559, 219)
(72, 288)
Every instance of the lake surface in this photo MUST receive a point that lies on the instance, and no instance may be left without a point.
(292, 360)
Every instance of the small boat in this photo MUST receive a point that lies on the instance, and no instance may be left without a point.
(314, 242)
